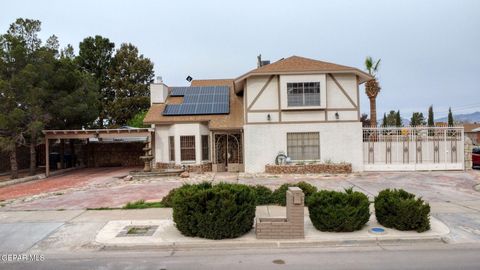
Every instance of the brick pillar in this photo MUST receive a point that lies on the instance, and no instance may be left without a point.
(295, 211)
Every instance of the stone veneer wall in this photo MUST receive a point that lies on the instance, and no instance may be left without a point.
(197, 168)
(106, 154)
(309, 168)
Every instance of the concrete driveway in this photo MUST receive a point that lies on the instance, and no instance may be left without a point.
(106, 187)
(451, 195)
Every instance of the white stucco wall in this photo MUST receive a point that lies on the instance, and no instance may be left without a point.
(335, 97)
(158, 93)
(339, 142)
(162, 132)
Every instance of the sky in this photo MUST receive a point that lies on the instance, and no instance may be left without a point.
(429, 50)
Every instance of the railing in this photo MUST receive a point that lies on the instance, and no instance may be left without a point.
(422, 147)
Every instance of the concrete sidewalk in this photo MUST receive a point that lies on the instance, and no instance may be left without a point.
(94, 230)
(167, 236)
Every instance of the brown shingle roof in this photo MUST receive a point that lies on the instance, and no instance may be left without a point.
(470, 127)
(297, 64)
(233, 120)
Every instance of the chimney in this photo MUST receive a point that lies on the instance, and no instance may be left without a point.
(260, 62)
(158, 91)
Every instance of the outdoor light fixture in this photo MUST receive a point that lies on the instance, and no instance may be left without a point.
(337, 116)
(269, 117)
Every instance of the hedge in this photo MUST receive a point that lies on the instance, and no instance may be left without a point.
(279, 195)
(263, 195)
(214, 211)
(400, 210)
(167, 201)
(334, 211)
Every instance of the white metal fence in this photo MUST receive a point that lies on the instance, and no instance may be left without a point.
(413, 148)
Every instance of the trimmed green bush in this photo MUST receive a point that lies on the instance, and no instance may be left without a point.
(333, 211)
(400, 210)
(167, 201)
(263, 195)
(279, 195)
(214, 211)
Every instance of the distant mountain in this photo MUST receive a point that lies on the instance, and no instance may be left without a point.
(468, 118)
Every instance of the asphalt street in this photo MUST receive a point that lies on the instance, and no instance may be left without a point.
(437, 256)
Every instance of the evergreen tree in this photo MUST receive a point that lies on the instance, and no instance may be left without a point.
(450, 117)
(130, 74)
(398, 119)
(417, 119)
(384, 120)
(95, 57)
(431, 121)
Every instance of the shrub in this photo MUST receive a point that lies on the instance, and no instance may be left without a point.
(334, 211)
(167, 201)
(400, 210)
(263, 195)
(214, 211)
(280, 193)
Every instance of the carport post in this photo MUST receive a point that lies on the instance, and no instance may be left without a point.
(47, 160)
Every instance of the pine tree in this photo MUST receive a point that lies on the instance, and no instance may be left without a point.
(450, 117)
(384, 121)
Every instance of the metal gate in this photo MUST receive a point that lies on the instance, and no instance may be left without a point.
(413, 148)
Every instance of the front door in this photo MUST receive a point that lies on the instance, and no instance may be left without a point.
(228, 152)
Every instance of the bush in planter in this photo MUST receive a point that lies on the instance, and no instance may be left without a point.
(400, 210)
(214, 211)
(263, 195)
(279, 195)
(334, 211)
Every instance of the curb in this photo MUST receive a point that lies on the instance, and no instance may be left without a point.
(270, 244)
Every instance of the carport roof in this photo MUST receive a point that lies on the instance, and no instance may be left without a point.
(97, 133)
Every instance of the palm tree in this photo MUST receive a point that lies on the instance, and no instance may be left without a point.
(372, 88)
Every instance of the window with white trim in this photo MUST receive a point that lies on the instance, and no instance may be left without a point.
(171, 147)
(303, 145)
(205, 148)
(303, 94)
(187, 148)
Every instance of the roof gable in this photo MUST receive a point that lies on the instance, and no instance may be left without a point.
(297, 64)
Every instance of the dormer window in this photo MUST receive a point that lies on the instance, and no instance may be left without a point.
(303, 94)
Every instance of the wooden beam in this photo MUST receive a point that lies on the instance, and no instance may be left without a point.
(343, 90)
(47, 158)
(261, 92)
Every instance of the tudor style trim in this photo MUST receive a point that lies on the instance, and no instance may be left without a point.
(343, 90)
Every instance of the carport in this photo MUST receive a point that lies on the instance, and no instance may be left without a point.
(98, 134)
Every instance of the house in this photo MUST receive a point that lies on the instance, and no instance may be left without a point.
(472, 131)
(305, 108)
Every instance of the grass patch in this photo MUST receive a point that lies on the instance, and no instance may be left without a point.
(138, 230)
(142, 204)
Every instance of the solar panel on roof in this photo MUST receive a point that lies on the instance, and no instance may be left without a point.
(200, 100)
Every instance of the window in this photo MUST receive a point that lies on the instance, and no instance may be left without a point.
(303, 94)
(205, 149)
(303, 146)
(187, 148)
(171, 148)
